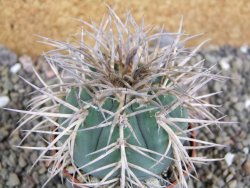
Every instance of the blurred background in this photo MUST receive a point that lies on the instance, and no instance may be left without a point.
(226, 22)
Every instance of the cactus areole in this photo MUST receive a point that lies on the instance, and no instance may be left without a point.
(136, 126)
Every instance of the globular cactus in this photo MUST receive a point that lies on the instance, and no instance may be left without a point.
(135, 133)
(120, 106)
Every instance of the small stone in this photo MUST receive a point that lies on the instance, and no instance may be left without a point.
(15, 140)
(11, 160)
(246, 166)
(234, 99)
(236, 78)
(42, 170)
(7, 57)
(4, 100)
(232, 184)
(8, 85)
(14, 78)
(13, 180)
(229, 157)
(239, 106)
(237, 65)
(15, 68)
(220, 183)
(21, 161)
(240, 158)
(229, 177)
(224, 63)
(210, 175)
(4, 173)
(28, 182)
(247, 103)
(35, 177)
(225, 172)
(232, 170)
(246, 142)
(3, 133)
(246, 150)
(244, 48)
(27, 63)
(217, 87)
(14, 96)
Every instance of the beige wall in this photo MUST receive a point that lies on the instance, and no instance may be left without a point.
(225, 21)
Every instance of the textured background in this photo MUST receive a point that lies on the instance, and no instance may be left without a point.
(224, 21)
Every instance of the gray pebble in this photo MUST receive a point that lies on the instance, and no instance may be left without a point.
(13, 180)
(232, 184)
(220, 183)
(7, 57)
(33, 157)
(246, 166)
(15, 139)
(42, 169)
(217, 87)
(35, 177)
(11, 159)
(229, 177)
(14, 96)
(3, 133)
(8, 85)
(4, 173)
(27, 63)
(21, 161)
(240, 158)
(239, 106)
(28, 182)
(14, 78)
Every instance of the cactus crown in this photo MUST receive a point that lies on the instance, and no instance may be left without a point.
(120, 104)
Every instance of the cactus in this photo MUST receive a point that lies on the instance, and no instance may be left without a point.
(119, 107)
(141, 130)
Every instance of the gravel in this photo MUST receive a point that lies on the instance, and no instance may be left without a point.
(15, 164)
(232, 171)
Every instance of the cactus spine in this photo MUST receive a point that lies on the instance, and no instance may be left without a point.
(129, 131)
(120, 105)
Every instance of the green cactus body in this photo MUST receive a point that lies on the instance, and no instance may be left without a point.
(149, 134)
